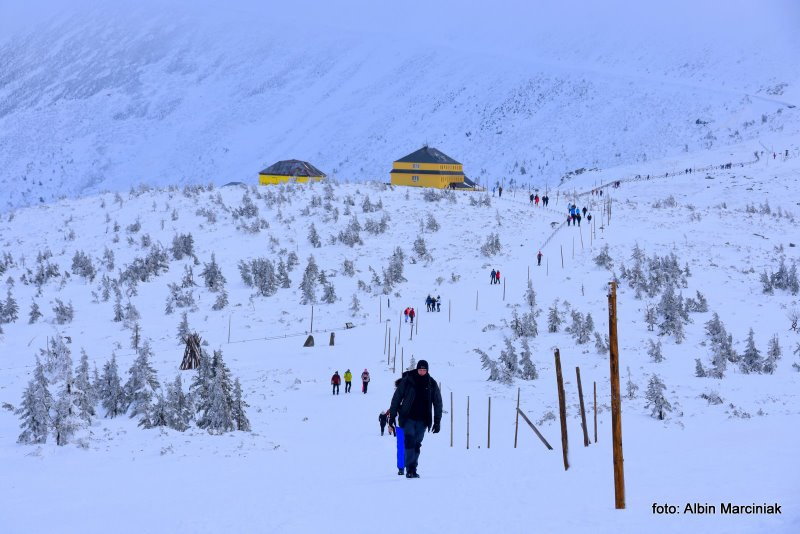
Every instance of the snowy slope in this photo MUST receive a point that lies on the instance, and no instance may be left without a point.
(314, 461)
(99, 98)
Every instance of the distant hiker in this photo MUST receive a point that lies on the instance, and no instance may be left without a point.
(382, 417)
(545, 200)
(497, 276)
(405, 312)
(589, 218)
(364, 381)
(536, 200)
(601, 192)
(336, 380)
(411, 315)
(493, 190)
(428, 302)
(348, 381)
(500, 191)
(494, 276)
(531, 198)
(569, 219)
(539, 258)
(412, 401)
(438, 303)
(578, 218)
(584, 211)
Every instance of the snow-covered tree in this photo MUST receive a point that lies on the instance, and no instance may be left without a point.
(654, 351)
(527, 367)
(85, 397)
(34, 411)
(283, 275)
(750, 361)
(65, 417)
(9, 310)
(111, 392)
(64, 313)
(491, 247)
(34, 314)
(671, 311)
(313, 236)
(57, 358)
(656, 399)
(82, 265)
(490, 365)
(216, 407)
(308, 286)
(179, 406)
(631, 386)
(650, 317)
(721, 347)
(238, 413)
(183, 328)
(604, 259)
(212, 275)
(222, 300)
(508, 362)
(554, 318)
(601, 343)
(142, 384)
(773, 355)
(355, 305)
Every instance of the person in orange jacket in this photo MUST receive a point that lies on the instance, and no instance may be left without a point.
(364, 381)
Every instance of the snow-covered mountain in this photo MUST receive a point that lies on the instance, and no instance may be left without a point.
(104, 98)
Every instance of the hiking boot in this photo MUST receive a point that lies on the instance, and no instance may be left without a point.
(412, 474)
(401, 472)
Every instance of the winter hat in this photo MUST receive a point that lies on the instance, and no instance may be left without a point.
(422, 364)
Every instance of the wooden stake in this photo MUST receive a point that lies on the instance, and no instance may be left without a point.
(516, 421)
(580, 232)
(504, 289)
(541, 437)
(417, 323)
(451, 419)
(562, 409)
(380, 310)
(229, 327)
(312, 320)
(616, 410)
(476, 301)
(449, 307)
(562, 256)
(489, 426)
(595, 412)
(583, 412)
(385, 332)
(467, 422)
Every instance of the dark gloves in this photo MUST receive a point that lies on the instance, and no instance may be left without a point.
(436, 427)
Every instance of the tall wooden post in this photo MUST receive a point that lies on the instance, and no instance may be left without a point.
(394, 363)
(467, 422)
(312, 320)
(504, 289)
(476, 301)
(229, 327)
(562, 256)
(583, 412)
(451, 419)
(402, 362)
(489, 426)
(385, 333)
(562, 409)
(417, 323)
(380, 310)
(580, 232)
(616, 410)
(529, 273)
(595, 412)
(449, 307)
(516, 422)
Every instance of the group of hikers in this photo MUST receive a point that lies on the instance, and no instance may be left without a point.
(410, 314)
(416, 392)
(535, 199)
(495, 276)
(434, 304)
(574, 216)
(336, 380)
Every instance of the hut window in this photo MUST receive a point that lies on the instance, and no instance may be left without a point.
(415, 178)
(415, 165)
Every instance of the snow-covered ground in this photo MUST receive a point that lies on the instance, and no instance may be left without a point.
(313, 461)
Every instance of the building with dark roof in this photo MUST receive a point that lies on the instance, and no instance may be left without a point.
(429, 167)
(290, 170)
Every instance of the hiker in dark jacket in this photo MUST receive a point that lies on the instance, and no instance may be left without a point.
(412, 402)
(335, 381)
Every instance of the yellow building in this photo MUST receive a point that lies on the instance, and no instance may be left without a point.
(428, 167)
(291, 170)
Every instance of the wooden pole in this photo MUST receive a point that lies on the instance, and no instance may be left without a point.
(504, 289)
(562, 409)
(229, 327)
(451, 419)
(516, 421)
(580, 232)
(489, 426)
(476, 300)
(562, 256)
(402, 362)
(616, 411)
(573, 247)
(385, 332)
(583, 412)
(449, 307)
(467, 422)
(595, 412)
(394, 363)
(417, 323)
(380, 310)
(541, 437)
(312, 319)
(529, 273)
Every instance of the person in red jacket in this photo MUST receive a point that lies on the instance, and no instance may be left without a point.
(335, 381)
(405, 312)
(412, 314)
(497, 276)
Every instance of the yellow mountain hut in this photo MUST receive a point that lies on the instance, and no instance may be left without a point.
(428, 167)
(290, 170)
